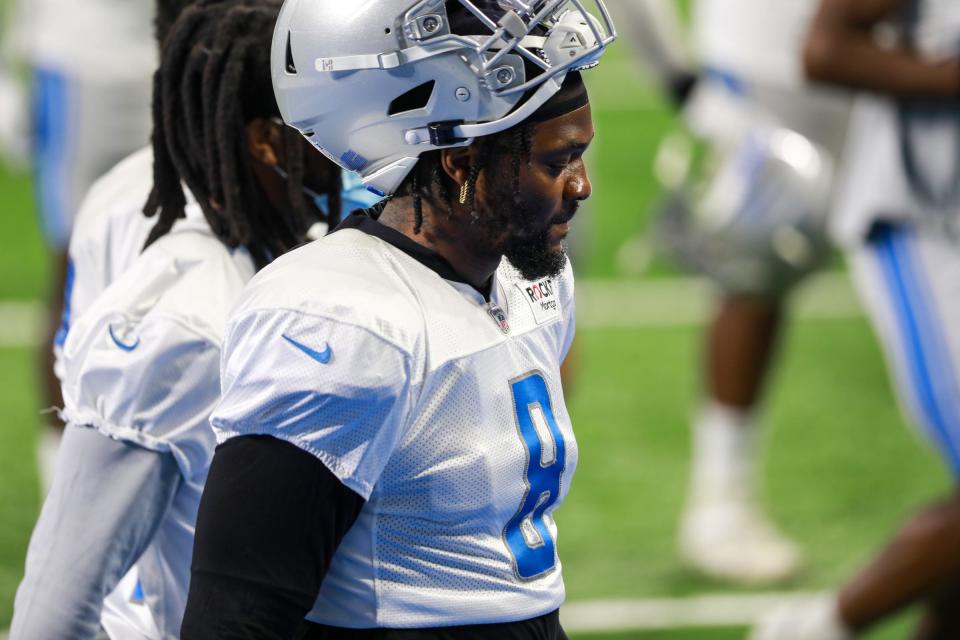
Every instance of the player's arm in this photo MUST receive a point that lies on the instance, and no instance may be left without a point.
(841, 49)
(311, 411)
(107, 500)
(137, 395)
(270, 520)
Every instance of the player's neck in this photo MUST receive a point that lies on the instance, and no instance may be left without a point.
(445, 236)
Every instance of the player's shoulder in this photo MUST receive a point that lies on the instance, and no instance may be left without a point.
(187, 278)
(120, 193)
(348, 276)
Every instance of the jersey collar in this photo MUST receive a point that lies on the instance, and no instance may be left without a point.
(361, 221)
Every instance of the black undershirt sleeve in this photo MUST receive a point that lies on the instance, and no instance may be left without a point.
(270, 520)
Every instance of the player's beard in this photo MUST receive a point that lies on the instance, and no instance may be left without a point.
(518, 234)
(534, 256)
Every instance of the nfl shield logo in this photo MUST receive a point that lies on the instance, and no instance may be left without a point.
(499, 317)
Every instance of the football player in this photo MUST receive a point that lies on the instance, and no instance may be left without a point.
(899, 220)
(232, 188)
(394, 436)
(756, 231)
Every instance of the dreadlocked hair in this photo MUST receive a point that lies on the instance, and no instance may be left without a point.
(213, 79)
(428, 181)
(167, 12)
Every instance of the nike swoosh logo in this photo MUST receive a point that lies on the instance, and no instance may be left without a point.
(323, 357)
(126, 347)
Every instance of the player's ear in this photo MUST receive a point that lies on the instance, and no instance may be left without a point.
(456, 163)
(264, 141)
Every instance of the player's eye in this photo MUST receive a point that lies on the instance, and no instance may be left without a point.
(558, 165)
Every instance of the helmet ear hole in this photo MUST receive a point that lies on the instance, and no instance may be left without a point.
(290, 65)
(416, 98)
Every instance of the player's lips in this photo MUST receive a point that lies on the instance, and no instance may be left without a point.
(564, 219)
(560, 225)
(559, 231)
(560, 228)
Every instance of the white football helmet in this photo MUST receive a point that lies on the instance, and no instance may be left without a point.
(756, 222)
(375, 83)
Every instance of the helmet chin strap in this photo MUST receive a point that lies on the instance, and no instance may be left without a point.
(543, 93)
(387, 178)
(464, 133)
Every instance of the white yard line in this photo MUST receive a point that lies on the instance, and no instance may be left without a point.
(20, 324)
(671, 613)
(601, 304)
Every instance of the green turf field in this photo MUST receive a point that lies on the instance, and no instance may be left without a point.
(841, 468)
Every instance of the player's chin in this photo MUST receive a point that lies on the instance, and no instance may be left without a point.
(543, 258)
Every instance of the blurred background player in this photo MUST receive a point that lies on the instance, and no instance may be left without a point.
(141, 363)
(89, 64)
(754, 226)
(898, 218)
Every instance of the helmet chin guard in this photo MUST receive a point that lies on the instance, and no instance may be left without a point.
(375, 83)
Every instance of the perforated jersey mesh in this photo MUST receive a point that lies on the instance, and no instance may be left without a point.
(416, 406)
(347, 410)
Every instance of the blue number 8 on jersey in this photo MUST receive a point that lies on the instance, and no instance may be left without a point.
(526, 534)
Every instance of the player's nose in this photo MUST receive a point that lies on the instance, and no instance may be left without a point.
(578, 186)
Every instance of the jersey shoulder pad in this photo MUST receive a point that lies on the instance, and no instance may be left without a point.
(339, 391)
(187, 275)
(347, 276)
(123, 189)
(142, 365)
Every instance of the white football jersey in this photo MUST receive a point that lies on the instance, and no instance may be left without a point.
(757, 40)
(100, 40)
(142, 366)
(441, 409)
(875, 181)
(108, 235)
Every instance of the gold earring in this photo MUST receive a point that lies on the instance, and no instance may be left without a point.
(463, 193)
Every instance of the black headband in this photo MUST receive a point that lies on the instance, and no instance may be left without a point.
(571, 96)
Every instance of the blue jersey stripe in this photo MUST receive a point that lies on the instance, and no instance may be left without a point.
(932, 381)
(61, 336)
(51, 142)
(943, 376)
